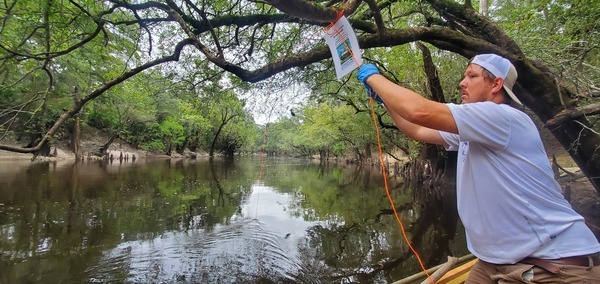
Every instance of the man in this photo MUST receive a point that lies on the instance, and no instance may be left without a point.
(517, 222)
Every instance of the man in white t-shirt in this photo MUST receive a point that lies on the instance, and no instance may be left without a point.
(517, 222)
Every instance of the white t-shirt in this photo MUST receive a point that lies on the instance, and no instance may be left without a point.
(508, 200)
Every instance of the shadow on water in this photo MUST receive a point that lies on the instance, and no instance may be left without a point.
(216, 221)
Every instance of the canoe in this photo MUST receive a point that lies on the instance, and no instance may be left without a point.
(457, 275)
(449, 275)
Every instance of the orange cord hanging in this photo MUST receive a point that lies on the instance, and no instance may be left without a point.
(389, 196)
(381, 160)
(592, 226)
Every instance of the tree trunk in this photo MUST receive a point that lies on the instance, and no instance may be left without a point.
(552, 103)
(44, 151)
(104, 148)
(430, 152)
(483, 7)
(181, 149)
(76, 137)
(169, 150)
(582, 145)
(368, 153)
(76, 130)
(214, 141)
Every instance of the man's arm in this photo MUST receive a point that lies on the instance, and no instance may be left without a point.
(416, 132)
(415, 111)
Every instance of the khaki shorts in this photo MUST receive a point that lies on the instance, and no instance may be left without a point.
(485, 272)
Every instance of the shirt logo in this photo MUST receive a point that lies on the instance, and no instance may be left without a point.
(464, 149)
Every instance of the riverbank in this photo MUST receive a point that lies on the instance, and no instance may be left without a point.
(91, 142)
(578, 190)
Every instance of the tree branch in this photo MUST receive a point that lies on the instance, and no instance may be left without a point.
(94, 94)
(307, 11)
(377, 16)
(572, 114)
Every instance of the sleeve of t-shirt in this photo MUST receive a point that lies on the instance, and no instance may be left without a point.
(487, 123)
(451, 139)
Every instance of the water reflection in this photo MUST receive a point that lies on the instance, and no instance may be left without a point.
(213, 222)
(244, 249)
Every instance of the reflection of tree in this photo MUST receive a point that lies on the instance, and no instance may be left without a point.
(72, 212)
(370, 248)
(434, 227)
(105, 207)
(217, 184)
(63, 218)
(218, 202)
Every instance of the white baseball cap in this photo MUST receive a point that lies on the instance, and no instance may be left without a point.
(499, 67)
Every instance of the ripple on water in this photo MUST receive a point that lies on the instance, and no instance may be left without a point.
(241, 251)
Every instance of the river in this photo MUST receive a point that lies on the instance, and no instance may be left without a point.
(212, 221)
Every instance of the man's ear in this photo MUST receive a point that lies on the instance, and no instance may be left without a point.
(497, 85)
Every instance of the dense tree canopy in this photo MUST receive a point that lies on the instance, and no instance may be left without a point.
(185, 48)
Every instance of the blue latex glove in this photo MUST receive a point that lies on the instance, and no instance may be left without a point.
(365, 71)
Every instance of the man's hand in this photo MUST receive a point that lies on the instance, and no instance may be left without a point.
(365, 71)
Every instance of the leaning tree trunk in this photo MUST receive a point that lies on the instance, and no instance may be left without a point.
(76, 137)
(76, 130)
(224, 120)
(211, 152)
(552, 103)
(104, 148)
(536, 86)
(44, 151)
(181, 149)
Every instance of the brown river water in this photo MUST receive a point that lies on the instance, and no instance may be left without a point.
(202, 221)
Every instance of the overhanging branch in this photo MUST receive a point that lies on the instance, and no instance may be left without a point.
(572, 114)
(307, 11)
(96, 93)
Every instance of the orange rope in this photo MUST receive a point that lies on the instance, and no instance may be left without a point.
(337, 32)
(592, 226)
(387, 191)
(310, 36)
(339, 14)
(381, 161)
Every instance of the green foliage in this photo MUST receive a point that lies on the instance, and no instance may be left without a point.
(154, 146)
(564, 35)
(154, 110)
(41, 67)
(326, 128)
(171, 131)
(195, 105)
(230, 125)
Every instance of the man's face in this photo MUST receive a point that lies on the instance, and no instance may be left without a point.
(474, 88)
